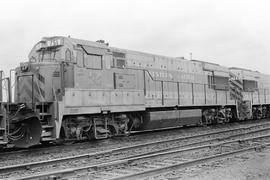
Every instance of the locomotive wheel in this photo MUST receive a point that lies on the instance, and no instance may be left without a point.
(227, 120)
(205, 120)
(202, 122)
(134, 123)
(112, 131)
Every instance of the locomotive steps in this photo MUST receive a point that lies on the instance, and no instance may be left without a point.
(95, 162)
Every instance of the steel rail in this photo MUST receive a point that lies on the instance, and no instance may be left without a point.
(181, 165)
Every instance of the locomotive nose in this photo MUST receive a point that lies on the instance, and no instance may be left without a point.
(28, 134)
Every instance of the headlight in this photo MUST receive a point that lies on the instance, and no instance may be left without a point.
(24, 66)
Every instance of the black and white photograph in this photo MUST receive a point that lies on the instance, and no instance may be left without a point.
(135, 89)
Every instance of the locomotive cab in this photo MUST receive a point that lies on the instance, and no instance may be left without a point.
(39, 83)
(43, 79)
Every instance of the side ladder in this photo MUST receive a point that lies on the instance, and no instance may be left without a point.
(44, 110)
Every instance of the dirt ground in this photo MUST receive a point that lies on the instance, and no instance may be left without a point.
(248, 166)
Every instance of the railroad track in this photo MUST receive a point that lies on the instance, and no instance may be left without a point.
(93, 162)
(14, 151)
(58, 152)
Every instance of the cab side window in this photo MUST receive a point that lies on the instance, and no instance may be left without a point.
(93, 61)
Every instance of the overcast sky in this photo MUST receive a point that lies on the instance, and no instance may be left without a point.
(228, 32)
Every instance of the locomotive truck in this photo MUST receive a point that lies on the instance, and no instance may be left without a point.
(72, 89)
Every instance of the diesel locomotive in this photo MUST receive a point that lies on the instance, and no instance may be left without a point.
(73, 89)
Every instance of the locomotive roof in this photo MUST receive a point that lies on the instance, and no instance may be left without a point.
(105, 46)
(86, 42)
(82, 42)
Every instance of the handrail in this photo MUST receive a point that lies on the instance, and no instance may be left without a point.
(1, 89)
(227, 87)
(8, 89)
(146, 70)
(37, 82)
(12, 85)
(32, 77)
(214, 84)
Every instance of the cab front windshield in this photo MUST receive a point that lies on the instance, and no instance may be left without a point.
(48, 49)
(49, 54)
